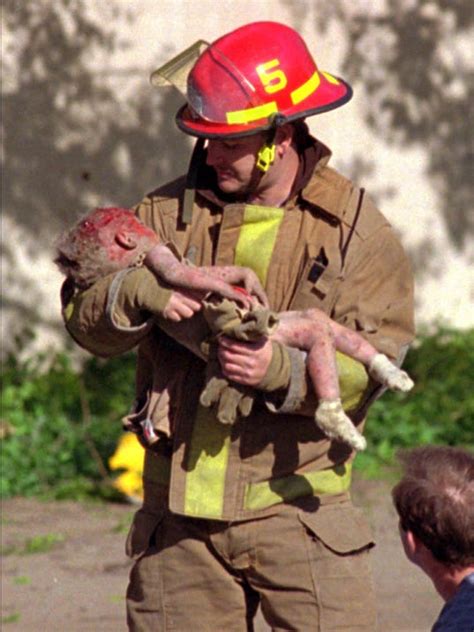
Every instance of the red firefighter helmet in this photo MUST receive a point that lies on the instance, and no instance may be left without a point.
(247, 78)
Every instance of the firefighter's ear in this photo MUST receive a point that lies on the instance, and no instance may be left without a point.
(125, 240)
(284, 138)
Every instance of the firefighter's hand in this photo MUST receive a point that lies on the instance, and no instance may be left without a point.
(244, 362)
(265, 364)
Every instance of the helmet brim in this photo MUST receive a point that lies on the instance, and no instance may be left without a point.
(332, 96)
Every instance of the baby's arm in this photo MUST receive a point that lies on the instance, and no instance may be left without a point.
(220, 279)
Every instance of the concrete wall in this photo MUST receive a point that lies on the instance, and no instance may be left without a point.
(83, 127)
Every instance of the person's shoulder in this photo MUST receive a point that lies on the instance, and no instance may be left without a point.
(169, 191)
(458, 613)
(345, 201)
(161, 204)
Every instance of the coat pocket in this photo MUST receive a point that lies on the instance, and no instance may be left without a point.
(140, 536)
(341, 528)
(317, 280)
(338, 541)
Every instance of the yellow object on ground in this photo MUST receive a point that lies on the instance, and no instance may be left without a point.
(128, 457)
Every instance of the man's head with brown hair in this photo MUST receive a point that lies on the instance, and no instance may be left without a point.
(435, 502)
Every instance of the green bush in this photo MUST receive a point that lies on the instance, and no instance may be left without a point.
(60, 426)
(439, 409)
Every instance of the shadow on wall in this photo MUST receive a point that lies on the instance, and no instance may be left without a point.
(70, 141)
(413, 60)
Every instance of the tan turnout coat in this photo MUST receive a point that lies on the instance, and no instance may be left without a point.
(334, 250)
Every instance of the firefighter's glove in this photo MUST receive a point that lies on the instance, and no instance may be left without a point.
(232, 399)
(279, 370)
(227, 318)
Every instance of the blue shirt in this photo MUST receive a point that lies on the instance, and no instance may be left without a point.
(458, 613)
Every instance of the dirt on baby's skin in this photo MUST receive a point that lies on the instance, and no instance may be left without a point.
(64, 567)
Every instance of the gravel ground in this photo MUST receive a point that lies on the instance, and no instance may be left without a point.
(64, 567)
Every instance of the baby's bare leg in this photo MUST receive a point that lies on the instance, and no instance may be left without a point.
(310, 332)
(378, 365)
(314, 335)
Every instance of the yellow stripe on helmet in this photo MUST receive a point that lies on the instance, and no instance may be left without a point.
(304, 91)
(240, 117)
(331, 79)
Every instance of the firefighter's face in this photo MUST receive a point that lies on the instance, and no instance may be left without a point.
(234, 163)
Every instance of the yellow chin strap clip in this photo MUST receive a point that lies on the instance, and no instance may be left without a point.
(266, 154)
(265, 157)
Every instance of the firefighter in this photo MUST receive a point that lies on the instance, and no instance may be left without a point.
(257, 513)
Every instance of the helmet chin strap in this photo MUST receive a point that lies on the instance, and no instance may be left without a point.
(191, 179)
(266, 154)
(265, 158)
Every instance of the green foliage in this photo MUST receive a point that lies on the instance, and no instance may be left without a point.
(61, 425)
(42, 543)
(11, 618)
(440, 408)
(31, 546)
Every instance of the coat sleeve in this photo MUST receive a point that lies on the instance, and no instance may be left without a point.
(376, 295)
(114, 314)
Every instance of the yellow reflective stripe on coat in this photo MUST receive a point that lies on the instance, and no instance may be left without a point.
(206, 466)
(335, 480)
(210, 442)
(353, 381)
(257, 238)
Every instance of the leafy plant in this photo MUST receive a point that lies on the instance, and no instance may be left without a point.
(42, 543)
(440, 408)
(61, 425)
(11, 618)
(36, 544)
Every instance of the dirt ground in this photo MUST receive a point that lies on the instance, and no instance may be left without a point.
(76, 579)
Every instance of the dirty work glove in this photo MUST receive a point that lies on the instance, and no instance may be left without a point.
(232, 399)
(278, 373)
(226, 318)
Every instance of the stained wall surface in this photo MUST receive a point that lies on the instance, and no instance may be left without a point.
(82, 126)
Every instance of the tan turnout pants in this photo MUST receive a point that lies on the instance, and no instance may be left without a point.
(308, 570)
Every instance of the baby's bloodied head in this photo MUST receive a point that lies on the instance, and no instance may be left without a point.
(104, 241)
